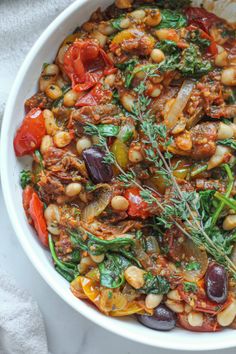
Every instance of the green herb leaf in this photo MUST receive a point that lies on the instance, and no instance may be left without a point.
(192, 64)
(155, 284)
(195, 38)
(172, 19)
(108, 129)
(128, 68)
(25, 178)
(193, 266)
(116, 23)
(190, 287)
(228, 142)
(168, 47)
(112, 271)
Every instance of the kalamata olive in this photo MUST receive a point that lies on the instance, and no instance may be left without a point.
(98, 170)
(216, 283)
(163, 319)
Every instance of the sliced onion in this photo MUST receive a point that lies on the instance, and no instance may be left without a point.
(179, 104)
(102, 197)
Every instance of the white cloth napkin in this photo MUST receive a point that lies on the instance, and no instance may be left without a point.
(21, 22)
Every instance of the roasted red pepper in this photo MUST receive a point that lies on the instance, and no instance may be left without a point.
(29, 136)
(95, 97)
(137, 205)
(200, 17)
(85, 63)
(35, 213)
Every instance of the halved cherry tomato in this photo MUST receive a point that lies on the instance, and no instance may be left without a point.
(137, 205)
(210, 324)
(29, 136)
(199, 301)
(36, 212)
(85, 63)
(212, 49)
(95, 97)
(201, 18)
(27, 195)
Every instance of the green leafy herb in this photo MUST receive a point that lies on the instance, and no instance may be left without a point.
(39, 157)
(228, 142)
(112, 270)
(193, 266)
(168, 47)
(173, 4)
(155, 284)
(195, 38)
(116, 23)
(59, 101)
(127, 69)
(25, 178)
(192, 64)
(172, 19)
(68, 270)
(108, 129)
(190, 287)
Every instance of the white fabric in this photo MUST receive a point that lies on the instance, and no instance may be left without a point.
(21, 22)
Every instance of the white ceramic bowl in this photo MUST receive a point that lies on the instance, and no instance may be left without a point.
(45, 50)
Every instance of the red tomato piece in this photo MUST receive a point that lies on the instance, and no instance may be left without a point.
(95, 97)
(201, 18)
(210, 324)
(85, 63)
(29, 136)
(36, 212)
(27, 195)
(137, 205)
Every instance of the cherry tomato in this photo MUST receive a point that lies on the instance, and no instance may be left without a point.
(95, 97)
(137, 205)
(201, 18)
(29, 136)
(36, 212)
(210, 324)
(85, 63)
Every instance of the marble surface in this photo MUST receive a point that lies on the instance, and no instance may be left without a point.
(68, 332)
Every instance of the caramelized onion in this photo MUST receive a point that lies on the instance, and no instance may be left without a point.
(102, 197)
(179, 104)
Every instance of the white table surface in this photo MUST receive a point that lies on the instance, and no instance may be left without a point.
(68, 332)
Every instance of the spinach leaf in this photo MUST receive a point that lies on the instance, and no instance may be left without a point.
(190, 287)
(68, 270)
(25, 178)
(112, 271)
(128, 68)
(170, 63)
(116, 23)
(108, 129)
(192, 64)
(172, 19)
(168, 47)
(155, 284)
(228, 142)
(195, 37)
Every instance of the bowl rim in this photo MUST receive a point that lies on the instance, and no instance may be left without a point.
(78, 305)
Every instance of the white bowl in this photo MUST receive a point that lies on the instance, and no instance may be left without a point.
(45, 50)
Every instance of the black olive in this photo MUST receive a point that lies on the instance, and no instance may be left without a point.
(98, 170)
(216, 283)
(163, 319)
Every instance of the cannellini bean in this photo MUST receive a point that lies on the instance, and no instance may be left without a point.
(153, 300)
(123, 4)
(135, 154)
(106, 28)
(82, 144)
(228, 76)
(53, 91)
(225, 131)
(226, 317)
(195, 319)
(70, 98)
(61, 54)
(51, 69)
(100, 37)
(219, 156)
(221, 59)
(62, 139)
(48, 76)
(127, 101)
(50, 122)
(154, 18)
(138, 14)
(154, 90)
(187, 308)
(175, 306)
(174, 295)
(110, 80)
(85, 264)
(46, 143)
(119, 203)
(73, 189)
(52, 216)
(125, 23)
(157, 55)
(229, 222)
(135, 277)
(97, 259)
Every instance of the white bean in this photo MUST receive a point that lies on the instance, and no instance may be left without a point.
(97, 259)
(226, 317)
(106, 28)
(138, 14)
(73, 189)
(134, 154)
(157, 55)
(228, 76)
(225, 131)
(62, 139)
(195, 319)
(82, 144)
(175, 306)
(135, 277)
(219, 156)
(221, 59)
(127, 101)
(229, 222)
(119, 203)
(50, 122)
(100, 37)
(174, 295)
(153, 300)
(46, 143)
